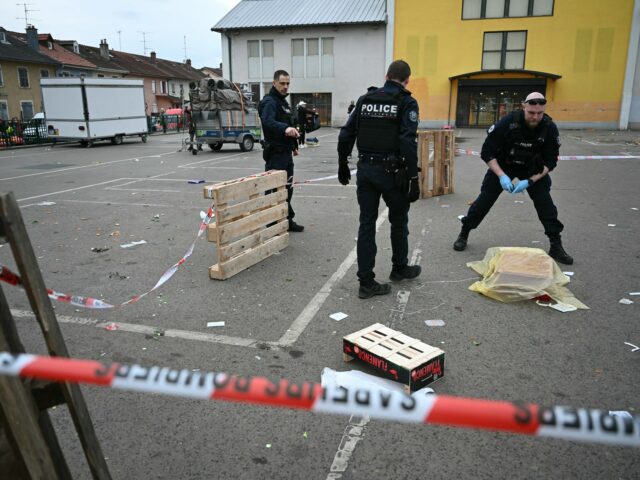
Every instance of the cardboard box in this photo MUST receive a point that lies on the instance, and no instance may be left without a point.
(395, 356)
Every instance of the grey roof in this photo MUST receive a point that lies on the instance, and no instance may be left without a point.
(280, 13)
(17, 51)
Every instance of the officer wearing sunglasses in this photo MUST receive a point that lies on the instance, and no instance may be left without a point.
(523, 146)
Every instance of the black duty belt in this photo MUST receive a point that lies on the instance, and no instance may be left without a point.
(374, 158)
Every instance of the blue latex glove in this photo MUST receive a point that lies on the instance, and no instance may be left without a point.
(521, 186)
(505, 181)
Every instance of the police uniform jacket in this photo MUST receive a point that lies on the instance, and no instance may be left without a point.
(397, 128)
(276, 116)
(520, 149)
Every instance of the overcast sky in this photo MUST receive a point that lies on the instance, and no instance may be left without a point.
(166, 23)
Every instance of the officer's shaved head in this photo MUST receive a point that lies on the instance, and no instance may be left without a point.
(399, 71)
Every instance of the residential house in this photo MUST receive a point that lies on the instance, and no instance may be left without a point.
(212, 72)
(71, 64)
(332, 49)
(166, 83)
(21, 68)
(474, 61)
(100, 57)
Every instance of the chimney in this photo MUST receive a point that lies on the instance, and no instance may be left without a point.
(153, 56)
(32, 37)
(104, 49)
(188, 62)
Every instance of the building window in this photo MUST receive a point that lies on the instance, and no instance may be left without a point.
(100, 75)
(153, 86)
(163, 86)
(474, 9)
(173, 89)
(260, 55)
(1, 77)
(49, 44)
(297, 57)
(76, 48)
(327, 57)
(44, 73)
(3, 37)
(312, 57)
(4, 111)
(23, 77)
(504, 50)
(26, 110)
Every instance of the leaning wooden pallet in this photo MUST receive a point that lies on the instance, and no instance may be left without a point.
(250, 221)
(436, 151)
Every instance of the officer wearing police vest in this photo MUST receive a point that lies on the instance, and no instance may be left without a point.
(383, 126)
(523, 145)
(280, 135)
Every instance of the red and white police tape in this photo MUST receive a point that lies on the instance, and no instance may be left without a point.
(12, 278)
(579, 424)
(475, 153)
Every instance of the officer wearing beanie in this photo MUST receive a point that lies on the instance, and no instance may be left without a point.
(280, 135)
(383, 125)
(525, 145)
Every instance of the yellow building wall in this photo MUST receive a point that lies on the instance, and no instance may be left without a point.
(584, 41)
(13, 94)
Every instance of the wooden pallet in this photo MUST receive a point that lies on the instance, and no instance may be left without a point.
(242, 212)
(395, 355)
(436, 153)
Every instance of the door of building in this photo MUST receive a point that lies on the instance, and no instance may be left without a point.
(321, 102)
(483, 102)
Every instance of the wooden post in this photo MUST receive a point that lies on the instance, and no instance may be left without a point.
(14, 230)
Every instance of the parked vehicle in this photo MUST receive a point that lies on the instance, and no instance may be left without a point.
(36, 129)
(92, 109)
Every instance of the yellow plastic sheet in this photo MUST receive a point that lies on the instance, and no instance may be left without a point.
(512, 274)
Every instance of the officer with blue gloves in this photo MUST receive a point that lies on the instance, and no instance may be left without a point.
(525, 145)
(383, 125)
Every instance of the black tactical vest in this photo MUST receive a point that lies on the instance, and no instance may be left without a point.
(522, 152)
(379, 122)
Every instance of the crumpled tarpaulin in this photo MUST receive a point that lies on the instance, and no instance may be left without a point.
(512, 274)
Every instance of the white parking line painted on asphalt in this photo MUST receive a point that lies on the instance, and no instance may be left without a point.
(148, 330)
(116, 189)
(214, 159)
(77, 167)
(354, 431)
(299, 324)
(70, 190)
(107, 203)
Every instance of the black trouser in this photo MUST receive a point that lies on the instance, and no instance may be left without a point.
(540, 193)
(283, 161)
(373, 182)
(302, 135)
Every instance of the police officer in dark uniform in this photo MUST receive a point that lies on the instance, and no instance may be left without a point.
(383, 125)
(280, 135)
(525, 145)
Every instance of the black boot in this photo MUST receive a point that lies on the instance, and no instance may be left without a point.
(374, 288)
(557, 252)
(294, 227)
(405, 272)
(461, 242)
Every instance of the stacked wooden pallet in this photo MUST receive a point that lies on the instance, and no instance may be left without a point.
(436, 152)
(250, 221)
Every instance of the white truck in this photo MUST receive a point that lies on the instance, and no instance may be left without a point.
(92, 109)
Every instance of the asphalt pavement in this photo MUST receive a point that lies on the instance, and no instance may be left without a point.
(77, 200)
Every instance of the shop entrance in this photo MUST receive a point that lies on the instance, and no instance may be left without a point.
(481, 103)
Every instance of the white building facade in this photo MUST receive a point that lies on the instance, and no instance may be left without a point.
(333, 50)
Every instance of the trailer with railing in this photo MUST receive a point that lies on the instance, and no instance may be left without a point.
(221, 113)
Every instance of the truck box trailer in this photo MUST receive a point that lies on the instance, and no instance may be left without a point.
(92, 109)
